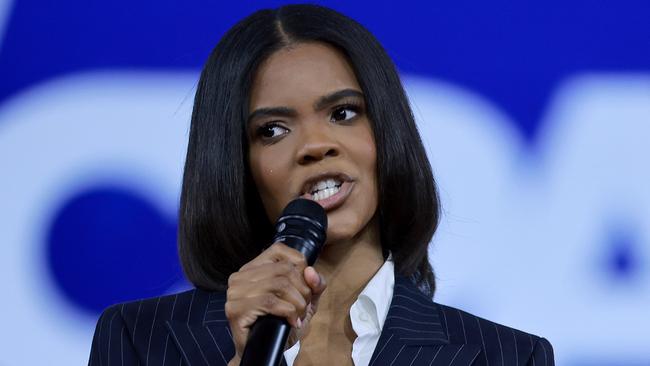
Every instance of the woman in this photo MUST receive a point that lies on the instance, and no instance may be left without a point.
(303, 102)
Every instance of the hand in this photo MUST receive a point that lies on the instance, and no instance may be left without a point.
(276, 282)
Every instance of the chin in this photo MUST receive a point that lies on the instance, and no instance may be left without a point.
(337, 237)
(344, 229)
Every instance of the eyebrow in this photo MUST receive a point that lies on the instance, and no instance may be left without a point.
(272, 111)
(332, 98)
(320, 104)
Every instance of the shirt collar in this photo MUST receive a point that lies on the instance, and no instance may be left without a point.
(375, 298)
(373, 301)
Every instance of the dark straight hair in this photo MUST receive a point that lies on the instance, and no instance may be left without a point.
(223, 224)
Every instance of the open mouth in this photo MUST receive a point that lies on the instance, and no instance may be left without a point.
(330, 190)
(325, 189)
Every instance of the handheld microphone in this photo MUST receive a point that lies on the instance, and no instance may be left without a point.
(302, 226)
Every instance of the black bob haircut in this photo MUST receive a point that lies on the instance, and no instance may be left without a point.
(223, 224)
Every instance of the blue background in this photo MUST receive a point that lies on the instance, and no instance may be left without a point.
(103, 240)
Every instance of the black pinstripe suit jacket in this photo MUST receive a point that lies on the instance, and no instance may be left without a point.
(190, 328)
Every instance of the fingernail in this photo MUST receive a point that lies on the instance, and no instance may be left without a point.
(299, 322)
(317, 275)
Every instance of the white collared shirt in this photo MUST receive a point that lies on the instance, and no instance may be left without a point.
(367, 314)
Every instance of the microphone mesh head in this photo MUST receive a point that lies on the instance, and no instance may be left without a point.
(305, 207)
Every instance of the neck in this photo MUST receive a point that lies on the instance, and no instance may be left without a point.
(348, 266)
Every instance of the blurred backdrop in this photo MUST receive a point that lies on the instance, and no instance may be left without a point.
(536, 117)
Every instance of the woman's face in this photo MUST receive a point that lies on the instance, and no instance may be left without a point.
(309, 136)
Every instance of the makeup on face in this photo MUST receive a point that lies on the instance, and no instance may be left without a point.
(309, 136)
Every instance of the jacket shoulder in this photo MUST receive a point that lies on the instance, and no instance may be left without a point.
(187, 307)
(499, 343)
(138, 331)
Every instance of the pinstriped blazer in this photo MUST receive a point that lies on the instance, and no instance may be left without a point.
(190, 328)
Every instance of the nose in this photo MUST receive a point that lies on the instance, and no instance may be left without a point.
(317, 144)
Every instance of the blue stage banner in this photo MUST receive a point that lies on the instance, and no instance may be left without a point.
(535, 116)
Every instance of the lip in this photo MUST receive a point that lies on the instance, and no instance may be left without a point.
(322, 176)
(336, 200)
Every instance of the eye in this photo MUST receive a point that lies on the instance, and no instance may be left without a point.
(344, 113)
(271, 130)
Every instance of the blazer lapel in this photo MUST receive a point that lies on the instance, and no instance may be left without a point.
(208, 341)
(414, 332)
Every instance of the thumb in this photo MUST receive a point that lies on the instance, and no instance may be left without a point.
(317, 284)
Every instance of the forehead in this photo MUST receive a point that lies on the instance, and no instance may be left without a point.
(301, 73)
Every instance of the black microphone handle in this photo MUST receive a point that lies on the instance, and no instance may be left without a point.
(270, 333)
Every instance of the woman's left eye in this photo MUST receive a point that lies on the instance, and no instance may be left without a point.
(344, 113)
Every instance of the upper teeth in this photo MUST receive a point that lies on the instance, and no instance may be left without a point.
(325, 188)
(324, 184)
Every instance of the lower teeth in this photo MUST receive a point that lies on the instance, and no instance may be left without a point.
(326, 193)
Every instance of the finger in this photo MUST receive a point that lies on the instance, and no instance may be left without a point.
(315, 280)
(271, 304)
(260, 306)
(276, 253)
(318, 285)
(281, 287)
(280, 251)
(263, 271)
(251, 282)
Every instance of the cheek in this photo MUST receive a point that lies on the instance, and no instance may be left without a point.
(367, 154)
(267, 179)
(370, 154)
